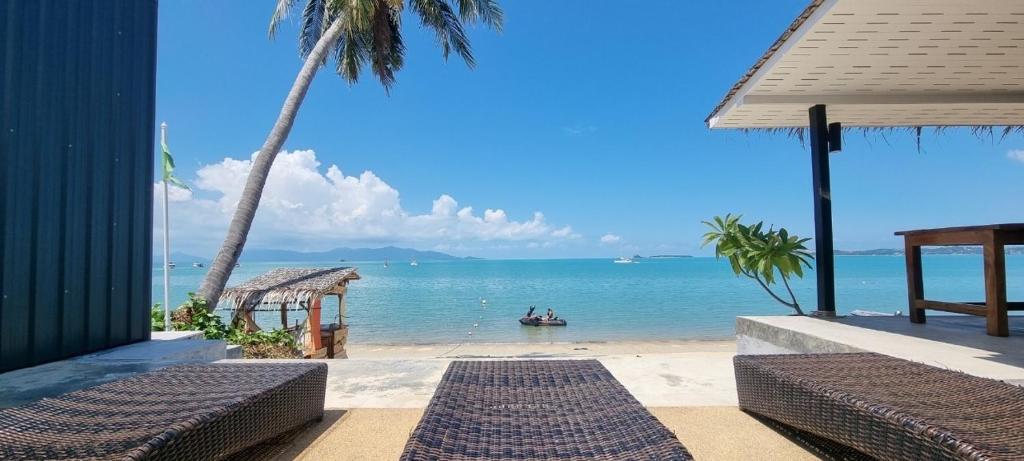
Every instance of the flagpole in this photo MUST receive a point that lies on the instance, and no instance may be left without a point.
(167, 242)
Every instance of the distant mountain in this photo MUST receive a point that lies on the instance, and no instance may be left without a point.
(876, 252)
(945, 250)
(348, 254)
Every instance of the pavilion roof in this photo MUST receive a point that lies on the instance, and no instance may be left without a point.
(290, 285)
(888, 63)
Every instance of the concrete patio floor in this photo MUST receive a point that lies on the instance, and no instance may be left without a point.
(701, 376)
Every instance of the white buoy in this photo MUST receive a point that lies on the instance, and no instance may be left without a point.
(471, 333)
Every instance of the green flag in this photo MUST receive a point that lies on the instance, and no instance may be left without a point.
(169, 168)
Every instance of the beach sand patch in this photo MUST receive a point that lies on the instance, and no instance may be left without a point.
(709, 433)
(358, 434)
(726, 433)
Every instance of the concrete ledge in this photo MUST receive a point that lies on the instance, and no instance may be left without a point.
(762, 335)
(234, 351)
(951, 342)
(199, 350)
(19, 387)
(175, 335)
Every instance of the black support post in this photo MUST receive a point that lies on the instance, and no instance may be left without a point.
(825, 261)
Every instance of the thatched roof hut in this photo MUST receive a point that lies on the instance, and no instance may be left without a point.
(291, 286)
(297, 289)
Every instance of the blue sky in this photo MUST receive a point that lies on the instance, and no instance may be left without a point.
(589, 112)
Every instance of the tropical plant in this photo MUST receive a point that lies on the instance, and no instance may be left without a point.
(355, 34)
(195, 315)
(759, 254)
(156, 317)
(272, 344)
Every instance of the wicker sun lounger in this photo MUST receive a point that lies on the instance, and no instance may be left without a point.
(186, 412)
(518, 410)
(885, 407)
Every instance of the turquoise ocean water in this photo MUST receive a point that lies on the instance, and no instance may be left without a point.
(691, 298)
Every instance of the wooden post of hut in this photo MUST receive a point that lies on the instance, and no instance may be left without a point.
(290, 289)
(315, 330)
(337, 333)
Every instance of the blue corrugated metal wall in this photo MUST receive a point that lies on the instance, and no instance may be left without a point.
(76, 176)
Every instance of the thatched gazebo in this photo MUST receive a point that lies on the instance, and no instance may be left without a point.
(296, 289)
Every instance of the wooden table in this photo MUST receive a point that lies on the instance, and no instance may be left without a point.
(992, 238)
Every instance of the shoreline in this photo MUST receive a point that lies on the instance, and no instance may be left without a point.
(537, 349)
(528, 341)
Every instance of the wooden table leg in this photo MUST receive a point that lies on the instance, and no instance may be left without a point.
(995, 287)
(915, 282)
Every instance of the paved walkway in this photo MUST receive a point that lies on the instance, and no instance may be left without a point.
(656, 376)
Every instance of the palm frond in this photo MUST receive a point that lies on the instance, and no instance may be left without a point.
(353, 48)
(313, 25)
(349, 56)
(485, 11)
(371, 30)
(439, 16)
(386, 48)
(280, 13)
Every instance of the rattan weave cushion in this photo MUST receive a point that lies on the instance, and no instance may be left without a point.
(537, 409)
(186, 412)
(886, 407)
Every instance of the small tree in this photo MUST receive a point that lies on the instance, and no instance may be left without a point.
(759, 254)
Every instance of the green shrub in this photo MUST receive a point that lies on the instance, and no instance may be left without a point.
(156, 317)
(195, 315)
(272, 344)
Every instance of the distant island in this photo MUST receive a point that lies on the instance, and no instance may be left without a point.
(338, 254)
(946, 250)
(669, 256)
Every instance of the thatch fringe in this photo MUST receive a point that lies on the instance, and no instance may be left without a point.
(289, 286)
(981, 132)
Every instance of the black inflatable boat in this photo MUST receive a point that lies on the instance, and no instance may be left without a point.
(541, 322)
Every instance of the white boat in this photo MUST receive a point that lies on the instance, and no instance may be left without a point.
(171, 265)
(197, 264)
(414, 263)
(623, 261)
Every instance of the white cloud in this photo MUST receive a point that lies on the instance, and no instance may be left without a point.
(566, 232)
(579, 129)
(174, 194)
(609, 239)
(303, 208)
(1016, 155)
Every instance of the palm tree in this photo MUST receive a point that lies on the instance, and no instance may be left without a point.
(354, 33)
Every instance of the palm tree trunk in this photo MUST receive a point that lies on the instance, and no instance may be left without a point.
(227, 257)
